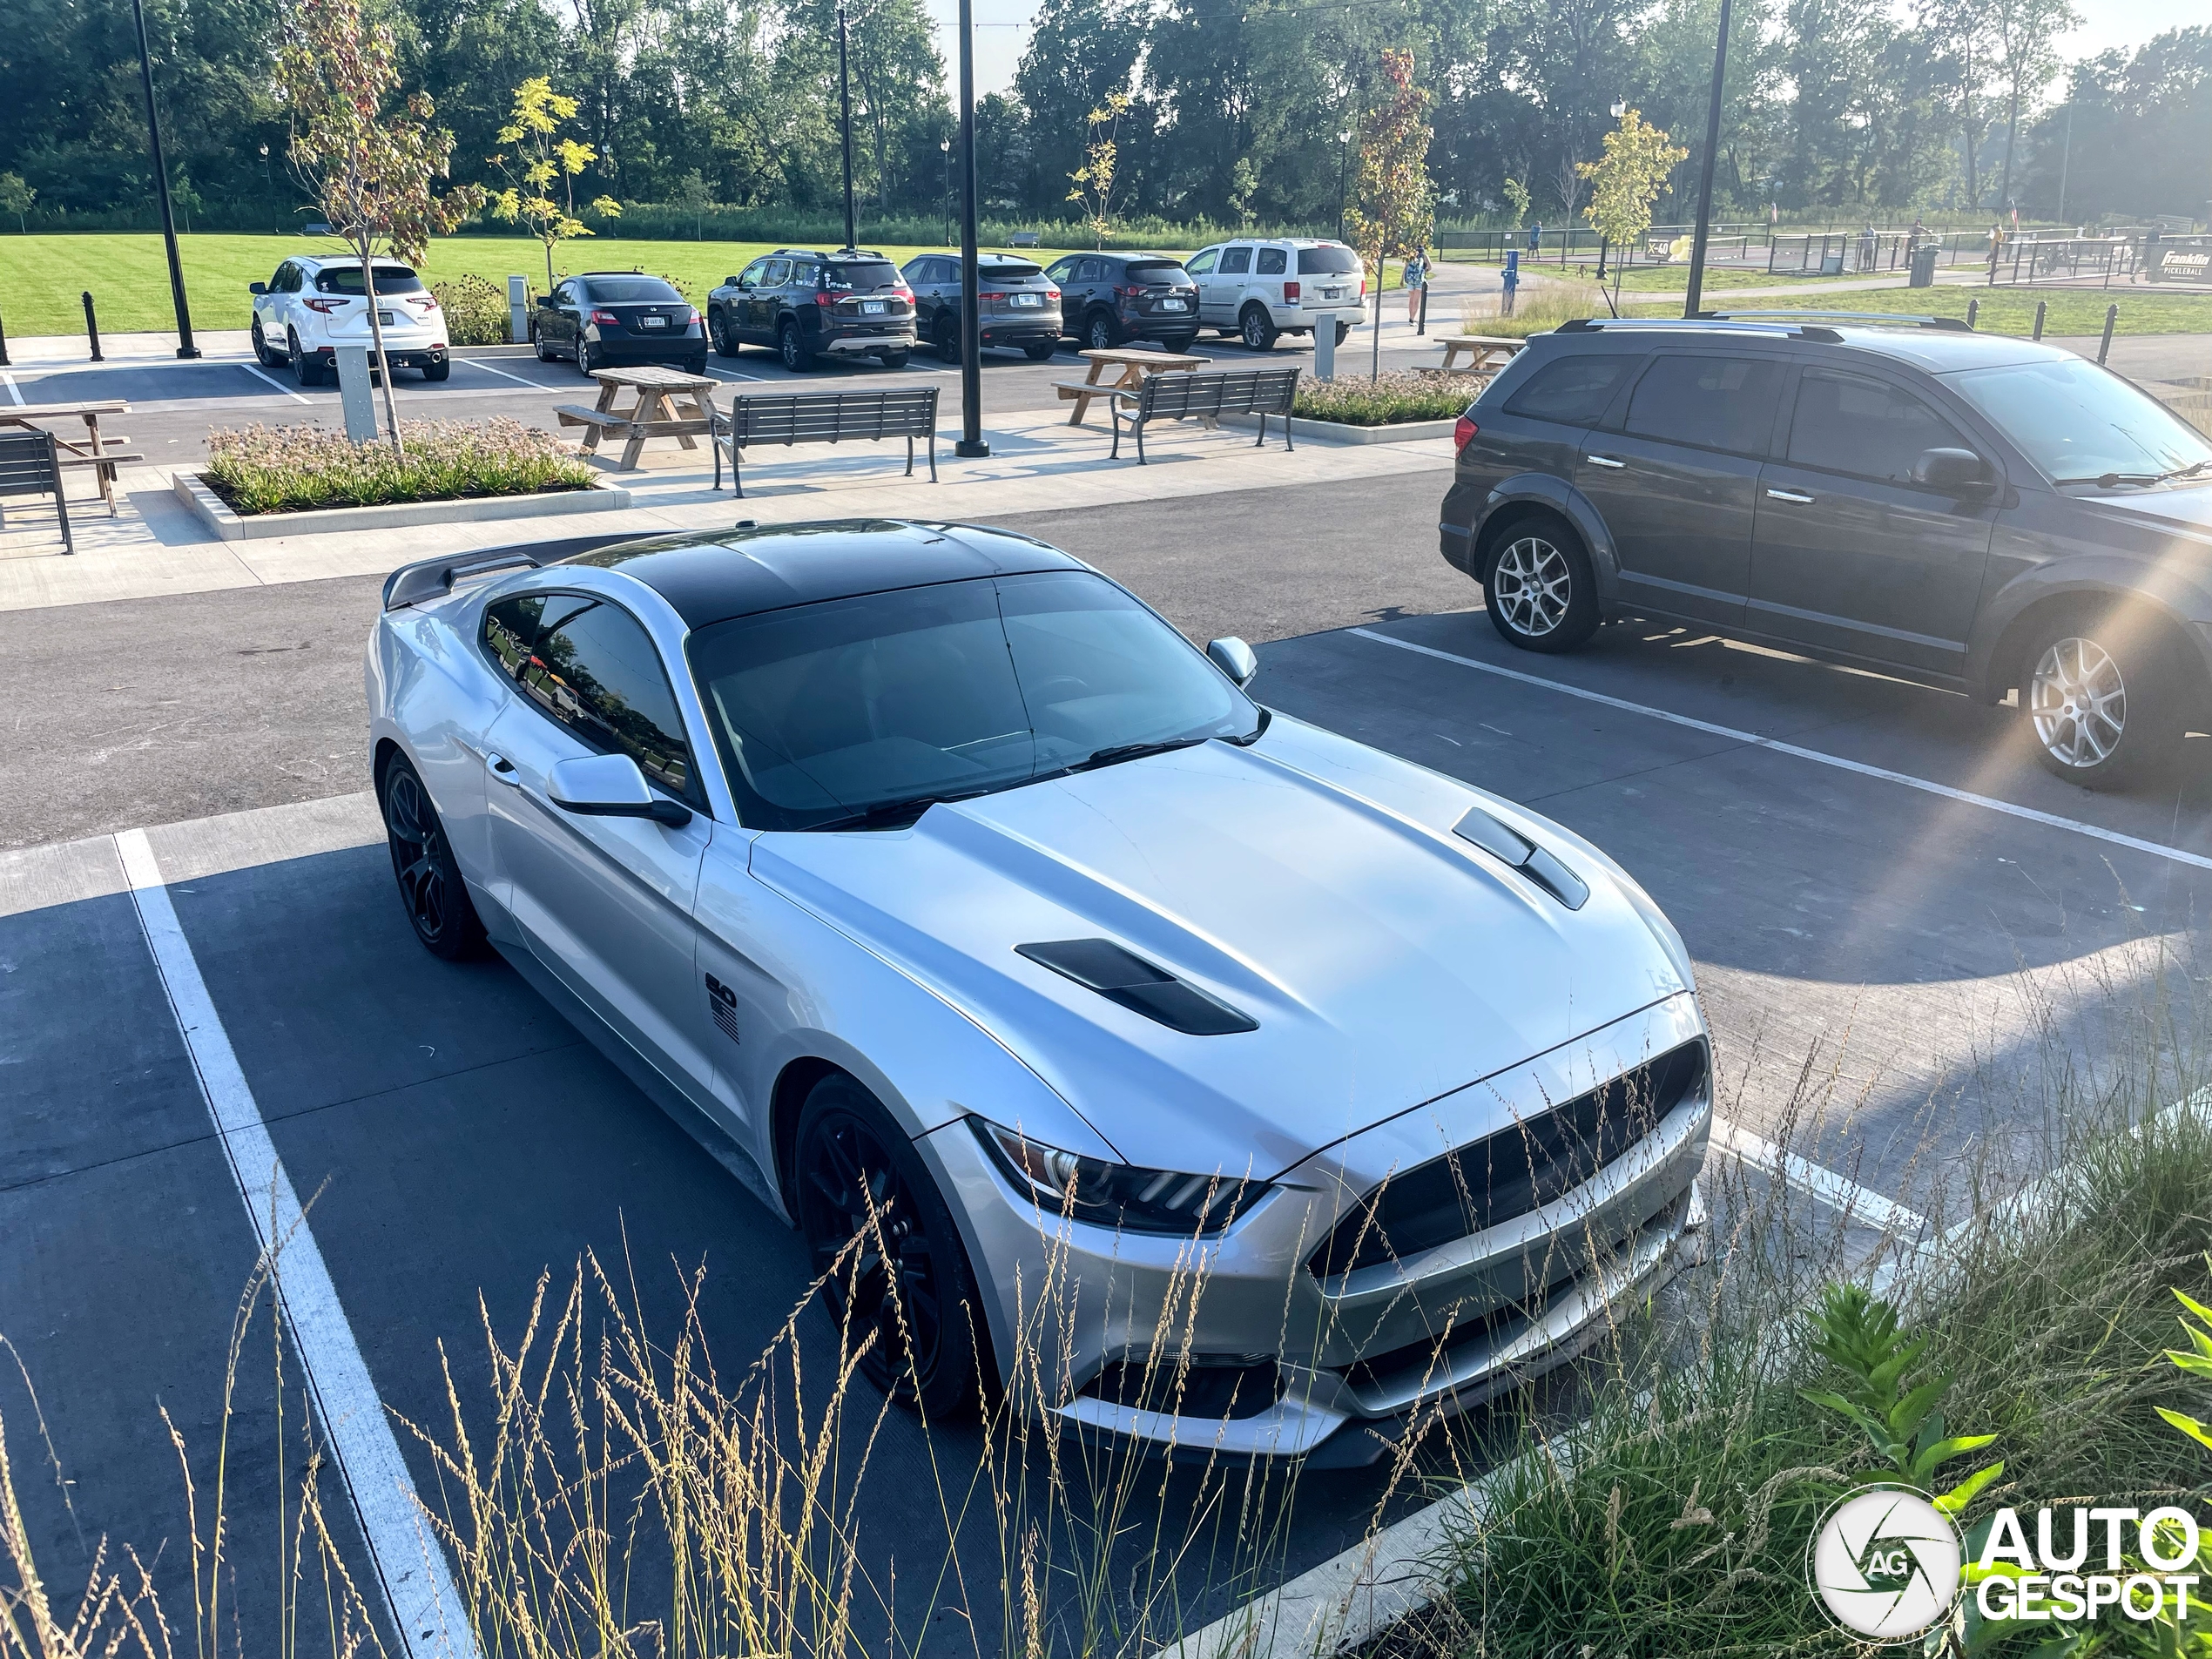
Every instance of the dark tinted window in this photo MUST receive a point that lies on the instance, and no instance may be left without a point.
(1326, 262)
(593, 670)
(632, 291)
(1159, 272)
(1573, 390)
(861, 274)
(1273, 261)
(1719, 402)
(775, 274)
(510, 629)
(1237, 261)
(1000, 269)
(346, 278)
(1847, 424)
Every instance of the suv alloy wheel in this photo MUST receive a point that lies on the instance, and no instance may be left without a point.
(1258, 328)
(1539, 588)
(1098, 333)
(2099, 701)
(796, 357)
(723, 346)
(304, 365)
(262, 354)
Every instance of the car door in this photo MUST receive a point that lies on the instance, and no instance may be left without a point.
(606, 904)
(1200, 268)
(1269, 268)
(567, 315)
(1067, 274)
(761, 304)
(1222, 293)
(268, 306)
(1675, 471)
(738, 298)
(1849, 553)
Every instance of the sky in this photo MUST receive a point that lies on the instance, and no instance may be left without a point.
(1002, 29)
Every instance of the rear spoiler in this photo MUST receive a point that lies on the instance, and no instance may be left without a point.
(433, 578)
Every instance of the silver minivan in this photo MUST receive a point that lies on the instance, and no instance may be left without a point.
(1259, 288)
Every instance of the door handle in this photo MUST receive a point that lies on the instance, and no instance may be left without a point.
(1796, 495)
(502, 769)
(1605, 461)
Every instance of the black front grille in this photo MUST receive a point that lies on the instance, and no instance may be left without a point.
(1519, 1169)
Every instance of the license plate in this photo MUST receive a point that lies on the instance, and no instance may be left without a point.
(1172, 305)
(874, 307)
(1333, 294)
(386, 319)
(1028, 299)
(654, 322)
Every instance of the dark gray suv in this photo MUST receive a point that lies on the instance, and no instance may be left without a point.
(1981, 514)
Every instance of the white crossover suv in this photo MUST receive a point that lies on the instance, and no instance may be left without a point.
(311, 306)
(1259, 289)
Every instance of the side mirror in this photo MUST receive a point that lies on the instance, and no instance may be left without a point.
(729, 282)
(1233, 657)
(257, 289)
(1960, 470)
(544, 302)
(610, 787)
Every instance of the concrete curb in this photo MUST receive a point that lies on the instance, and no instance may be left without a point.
(599, 498)
(1338, 432)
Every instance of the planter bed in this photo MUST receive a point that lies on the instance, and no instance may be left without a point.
(193, 491)
(1339, 432)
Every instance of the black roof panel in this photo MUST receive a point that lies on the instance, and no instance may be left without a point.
(747, 572)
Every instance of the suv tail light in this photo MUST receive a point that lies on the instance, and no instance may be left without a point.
(826, 299)
(326, 306)
(606, 320)
(903, 292)
(1052, 294)
(1291, 292)
(991, 297)
(1462, 433)
(1132, 292)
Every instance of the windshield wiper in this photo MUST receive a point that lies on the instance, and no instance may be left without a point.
(2105, 480)
(1116, 752)
(895, 814)
(2190, 471)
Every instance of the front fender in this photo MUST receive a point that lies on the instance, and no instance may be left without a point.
(1545, 489)
(2180, 594)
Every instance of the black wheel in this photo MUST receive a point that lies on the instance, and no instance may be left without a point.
(723, 346)
(1257, 329)
(1538, 587)
(587, 360)
(695, 365)
(262, 354)
(305, 368)
(947, 340)
(1100, 332)
(1040, 350)
(1344, 332)
(906, 1289)
(895, 359)
(441, 370)
(796, 357)
(2103, 700)
(1181, 342)
(431, 890)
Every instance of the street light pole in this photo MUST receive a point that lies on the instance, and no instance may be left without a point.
(184, 347)
(1695, 298)
(845, 108)
(971, 349)
(945, 198)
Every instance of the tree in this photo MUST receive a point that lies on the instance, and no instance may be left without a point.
(1396, 208)
(369, 170)
(540, 159)
(1094, 181)
(2024, 32)
(1624, 183)
(1516, 194)
(1079, 51)
(16, 196)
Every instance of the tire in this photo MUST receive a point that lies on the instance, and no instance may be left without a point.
(262, 354)
(1181, 342)
(587, 361)
(431, 890)
(1040, 350)
(1256, 329)
(895, 359)
(441, 370)
(925, 1346)
(2103, 700)
(719, 330)
(695, 365)
(537, 340)
(796, 357)
(1100, 333)
(1538, 587)
(948, 339)
(1344, 332)
(305, 369)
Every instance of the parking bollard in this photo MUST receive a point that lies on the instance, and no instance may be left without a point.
(2041, 306)
(2111, 316)
(1973, 310)
(92, 326)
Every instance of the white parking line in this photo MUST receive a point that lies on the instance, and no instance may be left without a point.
(519, 380)
(2052, 820)
(272, 381)
(14, 390)
(418, 1590)
(733, 375)
(1837, 1191)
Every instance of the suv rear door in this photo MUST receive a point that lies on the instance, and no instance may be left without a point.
(1849, 554)
(1676, 477)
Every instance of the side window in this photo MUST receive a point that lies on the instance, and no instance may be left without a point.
(805, 272)
(1717, 402)
(1059, 268)
(750, 277)
(595, 672)
(1845, 423)
(1235, 261)
(566, 294)
(1573, 390)
(1273, 261)
(510, 629)
(1202, 264)
(776, 275)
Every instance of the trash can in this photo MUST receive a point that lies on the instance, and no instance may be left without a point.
(1923, 263)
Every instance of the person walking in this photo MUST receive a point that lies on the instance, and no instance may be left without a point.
(1535, 239)
(1996, 245)
(1416, 281)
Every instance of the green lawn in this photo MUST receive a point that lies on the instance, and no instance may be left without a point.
(1673, 279)
(2012, 311)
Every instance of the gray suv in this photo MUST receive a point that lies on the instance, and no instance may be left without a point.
(1976, 513)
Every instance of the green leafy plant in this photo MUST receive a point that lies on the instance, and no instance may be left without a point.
(295, 468)
(2198, 1362)
(536, 159)
(1859, 1334)
(1517, 196)
(476, 310)
(15, 197)
(1391, 400)
(1095, 180)
(1625, 182)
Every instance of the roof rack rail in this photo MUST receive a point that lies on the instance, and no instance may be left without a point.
(1954, 324)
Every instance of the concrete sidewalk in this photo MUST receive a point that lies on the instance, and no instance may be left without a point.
(1038, 462)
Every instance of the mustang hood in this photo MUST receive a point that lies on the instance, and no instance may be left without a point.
(1385, 960)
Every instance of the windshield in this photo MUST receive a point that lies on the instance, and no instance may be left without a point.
(861, 273)
(632, 291)
(999, 269)
(1159, 271)
(826, 710)
(2077, 423)
(1326, 262)
(346, 278)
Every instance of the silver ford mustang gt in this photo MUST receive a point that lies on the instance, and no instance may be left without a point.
(1001, 932)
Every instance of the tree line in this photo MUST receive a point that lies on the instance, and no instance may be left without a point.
(1230, 111)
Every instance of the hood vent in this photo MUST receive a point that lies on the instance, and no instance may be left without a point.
(1510, 848)
(1121, 976)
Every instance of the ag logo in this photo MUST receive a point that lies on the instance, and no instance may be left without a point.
(1886, 1563)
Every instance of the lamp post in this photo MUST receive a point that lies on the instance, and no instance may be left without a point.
(1344, 168)
(845, 110)
(184, 347)
(971, 442)
(1695, 298)
(1604, 243)
(945, 201)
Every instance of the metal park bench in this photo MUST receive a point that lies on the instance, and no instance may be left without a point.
(30, 465)
(1206, 397)
(824, 417)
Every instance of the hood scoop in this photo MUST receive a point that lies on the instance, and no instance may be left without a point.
(1121, 976)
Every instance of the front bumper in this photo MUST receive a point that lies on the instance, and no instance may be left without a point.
(1376, 1350)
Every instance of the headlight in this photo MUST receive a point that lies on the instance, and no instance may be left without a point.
(1117, 1195)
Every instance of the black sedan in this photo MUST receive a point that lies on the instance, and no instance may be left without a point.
(603, 318)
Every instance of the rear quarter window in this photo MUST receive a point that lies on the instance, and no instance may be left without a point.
(1572, 390)
(1326, 262)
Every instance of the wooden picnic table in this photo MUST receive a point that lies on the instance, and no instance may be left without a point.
(1135, 367)
(91, 450)
(1489, 352)
(657, 411)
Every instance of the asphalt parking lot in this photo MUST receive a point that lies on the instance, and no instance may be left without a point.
(1899, 923)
